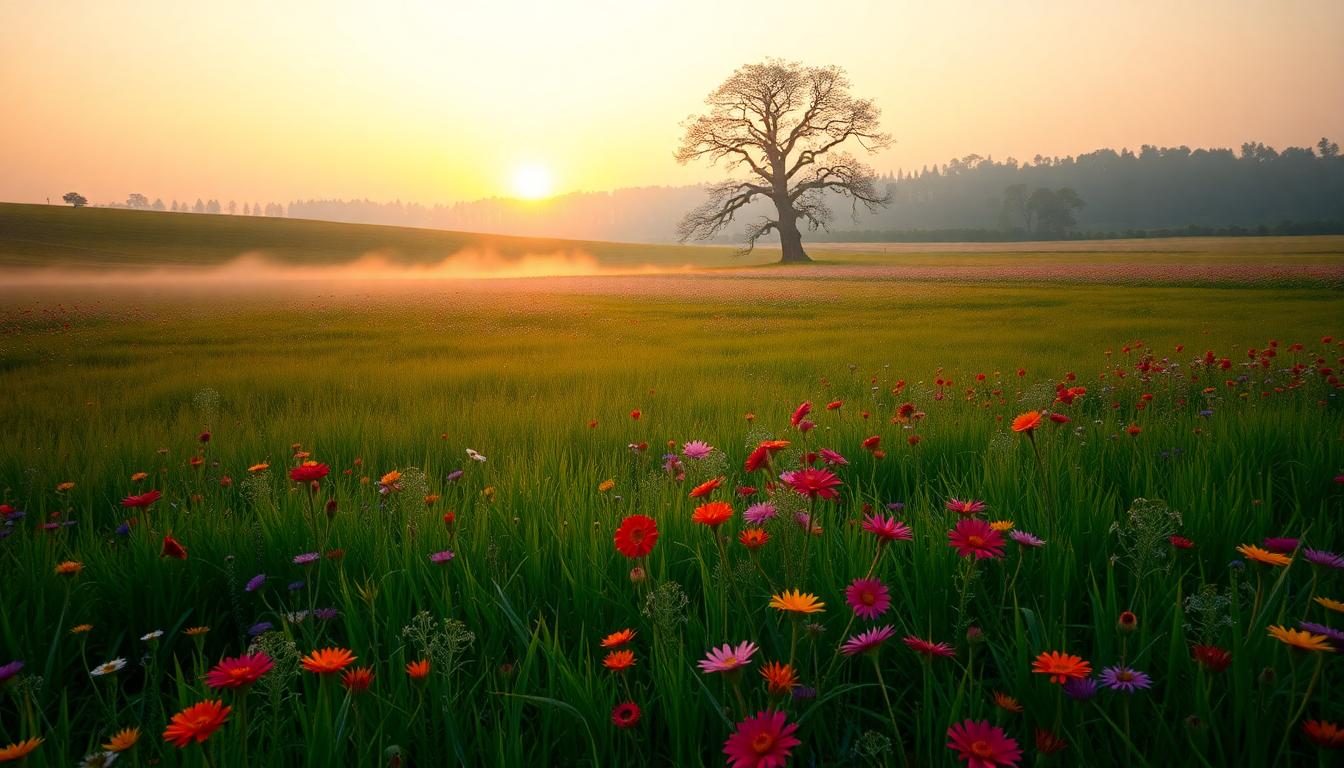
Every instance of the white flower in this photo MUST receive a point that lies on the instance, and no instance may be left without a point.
(108, 667)
(155, 635)
(98, 760)
(475, 456)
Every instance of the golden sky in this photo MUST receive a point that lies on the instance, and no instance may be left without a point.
(444, 101)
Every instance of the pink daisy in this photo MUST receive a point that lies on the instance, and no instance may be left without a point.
(982, 745)
(763, 741)
(886, 528)
(929, 648)
(974, 537)
(868, 597)
(865, 642)
(968, 507)
(727, 658)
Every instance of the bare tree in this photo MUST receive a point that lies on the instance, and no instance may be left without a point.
(781, 125)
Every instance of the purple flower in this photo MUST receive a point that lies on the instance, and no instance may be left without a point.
(696, 449)
(307, 558)
(757, 514)
(1322, 557)
(9, 670)
(295, 586)
(1281, 545)
(803, 693)
(50, 526)
(1026, 539)
(455, 475)
(1081, 688)
(1336, 636)
(259, 628)
(1125, 679)
(254, 583)
(896, 506)
(326, 614)
(442, 557)
(124, 529)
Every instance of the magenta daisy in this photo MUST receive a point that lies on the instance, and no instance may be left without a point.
(727, 658)
(866, 642)
(763, 741)
(1120, 678)
(967, 507)
(442, 557)
(757, 514)
(832, 458)
(307, 558)
(929, 648)
(1026, 539)
(981, 745)
(1323, 558)
(887, 528)
(974, 537)
(868, 597)
(813, 483)
(696, 449)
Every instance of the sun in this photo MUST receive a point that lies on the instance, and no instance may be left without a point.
(531, 181)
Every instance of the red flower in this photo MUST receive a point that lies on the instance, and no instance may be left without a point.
(1059, 418)
(635, 414)
(625, 714)
(1211, 657)
(239, 672)
(872, 443)
(1180, 542)
(1048, 743)
(834, 405)
(982, 745)
(713, 514)
(196, 722)
(171, 548)
(814, 483)
(1027, 422)
(799, 413)
(763, 741)
(141, 501)
(308, 473)
(974, 537)
(706, 488)
(636, 536)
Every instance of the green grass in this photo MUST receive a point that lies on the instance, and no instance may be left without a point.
(101, 383)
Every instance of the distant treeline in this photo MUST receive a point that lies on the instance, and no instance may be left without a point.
(1154, 192)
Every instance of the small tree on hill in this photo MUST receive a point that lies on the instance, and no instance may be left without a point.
(75, 199)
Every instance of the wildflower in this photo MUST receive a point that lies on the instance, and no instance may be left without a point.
(967, 507)
(1081, 688)
(80, 629)
(328, 660)
(1324, 733)
(1059, 418)
(800, 412)
(636, 536)
(309, 472)
(606, 485)
(9, 670)
(872, 443)
(1323, 558)
(1281, 545)
(196, 722)
(794, 601)
(123, 740)
(69, 568)
(261, 467)
(442, 557)
(635, 414)
(929, 648)
(1328, 604)
(1027, 422)
(62, 487)
(887, 528)
(981, 745)
(1120, 678)
(867, 642)
(108, 668)
(1211, 657)
(763, 741)
(753, 538)
(696, 449)
(1335, 636)
(1026, 539)
(151, 636)
(172, 548)
(295, 586)
(418, 670)
(625, 714)
(780, 678)
(727, 658)
(1266, 557)
(869, 598)
(1133, 430)
(357, 679)
(1061, 666)
(474, 456)
(617, 639)
(1049, 743)
(20, 749)
(1007, 703)
(704, 489)
(1002, 526)
(832, 458)
(973, 537)
(455, 475)
(307, 558)
(713, 514)
(239, 672)
(1180, 542)
(757, 514)
(813, 483)
(195, 631)
(619, 661)
(390, 482)
(1296, 638)
(141, 501)
(1128, 622)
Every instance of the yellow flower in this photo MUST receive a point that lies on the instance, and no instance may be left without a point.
(80, 629)
(197, 631)
(795, 601)
(123, 740)
(69, 568)
(1297, 638)
(262, 467)
(606, 485)
(1002, 525)
(1259, 555)
(1333, 605)
(19, 750)
(138, 476)
(489, 493)
(65, 486)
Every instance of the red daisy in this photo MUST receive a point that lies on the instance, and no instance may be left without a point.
(982, 745)
(171, 548)
(929, 648)
(763, 741)
(636, 536)
(309, 472)
(142, 500)
(239, 672)
(799, 413)
(814, 483)
(706, 488)
(625, 714)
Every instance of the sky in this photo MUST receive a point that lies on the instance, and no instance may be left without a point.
(447, 101)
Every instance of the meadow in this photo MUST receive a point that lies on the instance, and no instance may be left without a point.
(1126, 452)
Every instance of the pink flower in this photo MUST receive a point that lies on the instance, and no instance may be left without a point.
(974, 537)
(832, 458)
(727, 658)
(813, 483)
(696, 449)
(868, 597)
(865, 642)
(886, 528)
(763, 741)
(967, 507)
(929, 648)
(982, 745)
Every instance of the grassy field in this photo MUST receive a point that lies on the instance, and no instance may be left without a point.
(543, 378)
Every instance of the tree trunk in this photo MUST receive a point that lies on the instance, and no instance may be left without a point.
(790, 239)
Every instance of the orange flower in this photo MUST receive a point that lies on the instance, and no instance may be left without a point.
(62, 487)
(138, 476)
(80, 629)
(617, 639)
(606, 485)
(1259, 555)
(123, 740)
(1331, 605)
(713, 514)
(796, 602)
(1007, 703)
(1027, 422)
(754, 538)
(328, 660)
(780, 679)
(196, 722)
(706, 488)
(196, 631)
(1324, 733)
(1301, 639)
(69, 568)
(418, 670)
(619, 661)
(19, 750)
(357, 679)
(1061, 666)
(262, 467)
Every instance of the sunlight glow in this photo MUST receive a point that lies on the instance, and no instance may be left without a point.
(532, 182)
